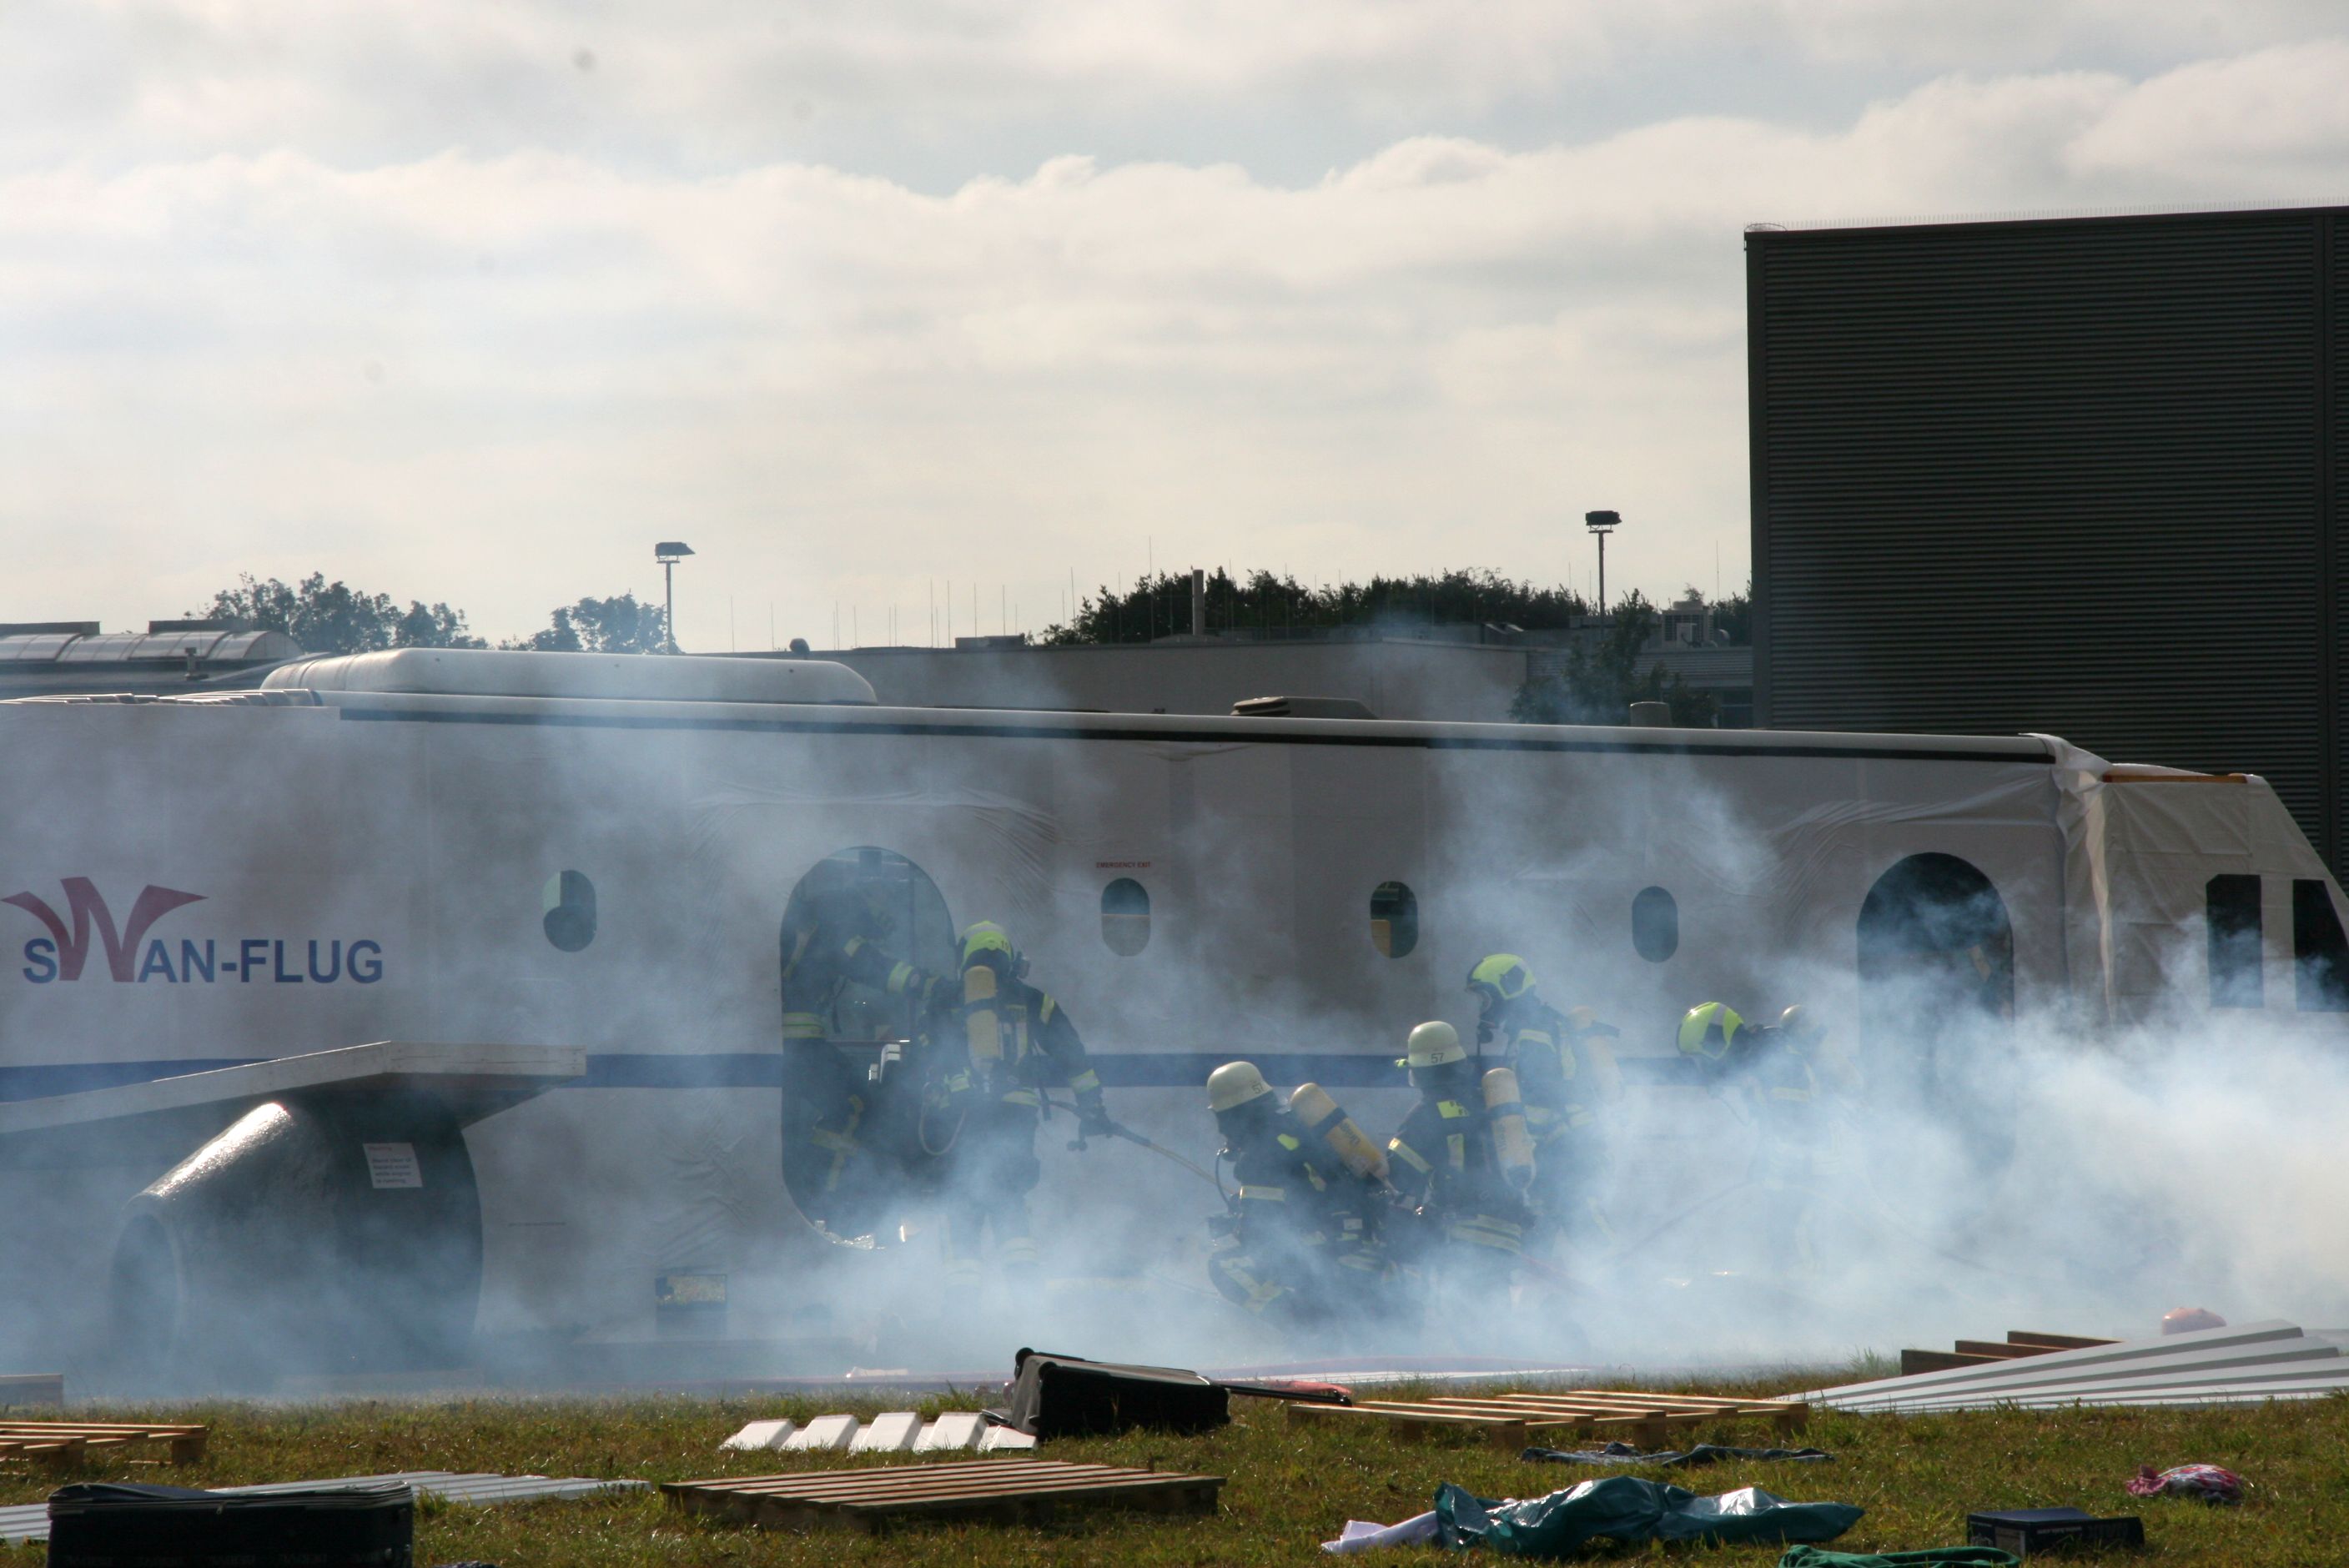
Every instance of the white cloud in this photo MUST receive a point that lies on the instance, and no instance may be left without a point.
(496, 379)
(714, 83)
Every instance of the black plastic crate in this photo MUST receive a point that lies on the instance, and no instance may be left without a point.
(103, 1525)
(2027, 1531)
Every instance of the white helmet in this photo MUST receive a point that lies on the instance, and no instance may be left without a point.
(1432, 1044)
(1234, 1084)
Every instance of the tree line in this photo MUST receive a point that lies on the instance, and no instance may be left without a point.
(1594, 679)
(334, 618)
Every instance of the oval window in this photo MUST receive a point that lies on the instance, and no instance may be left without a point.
(569, 900)
(1125, 917)
(1394, 919)
(1655, 924)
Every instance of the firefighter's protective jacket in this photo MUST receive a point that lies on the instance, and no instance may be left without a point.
(1017, 1042)
(1563, 1088)
(834, 943)
(1774, 1082)
(1293, 1221)
(1442, 1158)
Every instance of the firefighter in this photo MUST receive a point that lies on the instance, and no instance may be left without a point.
(1016, 1041)
(1300, 1243)
(1768, 1075)
(1464, 1159)
(1567, 1072)
(838, 972)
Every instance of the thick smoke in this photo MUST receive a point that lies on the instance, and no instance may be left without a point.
(1980, 1167)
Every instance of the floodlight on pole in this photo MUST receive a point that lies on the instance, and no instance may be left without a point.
(1602, 524)
(669, 552)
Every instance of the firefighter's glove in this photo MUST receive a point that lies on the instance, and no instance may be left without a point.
(1092, 1118)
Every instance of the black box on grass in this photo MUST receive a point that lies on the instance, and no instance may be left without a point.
(2027, 1531)
(1069, 1397)
(101, 1525)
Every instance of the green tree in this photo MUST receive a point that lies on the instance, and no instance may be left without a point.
(1735, 616)
(334, 618)
(1601, 678)
(615, 626)
(1160, 606)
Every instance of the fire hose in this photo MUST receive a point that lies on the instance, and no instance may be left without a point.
(1080, 1143)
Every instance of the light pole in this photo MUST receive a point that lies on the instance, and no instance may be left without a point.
(669, 553)
(1602, 523)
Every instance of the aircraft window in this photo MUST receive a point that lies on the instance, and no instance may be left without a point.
(2231, 910)
(2320, 952)
(1125, 916)
(1655, 924)
(1394, 919)
(569, 901)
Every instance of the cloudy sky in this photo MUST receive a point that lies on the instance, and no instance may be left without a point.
(475, 303)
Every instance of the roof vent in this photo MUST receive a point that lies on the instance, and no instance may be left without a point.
(1302, 708)
(1651, 715)
(641, 678)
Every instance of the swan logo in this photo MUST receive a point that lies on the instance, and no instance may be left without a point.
(132, 957)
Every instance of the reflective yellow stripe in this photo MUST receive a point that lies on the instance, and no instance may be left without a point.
(852, 945)
(1456, 1145)
(1085, 1080)
(1450, 1109)
(803, 1027)
(1408, 1155)
(1286, 1141)
(1025, 1097)
(1259, 1295)
(1264, 1195)
(957, 1083)
(1485, 1231)
(1019, 1250)
(898, 976)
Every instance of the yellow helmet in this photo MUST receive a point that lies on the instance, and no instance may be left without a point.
(1432, 1044)
(984, 941)
(1234, 1084)
(1707, 1029)
(1500, 978)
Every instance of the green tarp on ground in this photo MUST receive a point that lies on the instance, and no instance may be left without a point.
(1931, 1557)
(1625, 1508)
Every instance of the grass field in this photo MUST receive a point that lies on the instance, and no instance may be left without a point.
(1290, 1486)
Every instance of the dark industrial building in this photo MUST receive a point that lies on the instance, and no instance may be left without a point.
(2080, 476)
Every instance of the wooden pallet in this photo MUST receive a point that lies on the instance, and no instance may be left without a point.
(1983, 1351)
(65, 1442)
(1512, 1421)
(32, 1388)
(1000, 1491)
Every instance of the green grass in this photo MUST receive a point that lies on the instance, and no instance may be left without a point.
(1290, 1486)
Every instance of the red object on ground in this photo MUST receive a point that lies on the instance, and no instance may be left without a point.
(2186, 1319)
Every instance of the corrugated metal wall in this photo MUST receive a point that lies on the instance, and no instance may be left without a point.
(2078, 476)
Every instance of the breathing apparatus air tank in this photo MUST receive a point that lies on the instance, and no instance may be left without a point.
(1513, 1147)
(986, 1030)
(1312, 1104)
